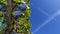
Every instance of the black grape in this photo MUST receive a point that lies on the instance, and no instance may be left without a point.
(17, 14)
(3, 7)
(16, 17)
(22, 7)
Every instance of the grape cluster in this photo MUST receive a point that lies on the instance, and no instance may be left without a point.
(19, 10)
(3, 8)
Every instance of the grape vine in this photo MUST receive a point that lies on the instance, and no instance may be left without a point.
(14, 15)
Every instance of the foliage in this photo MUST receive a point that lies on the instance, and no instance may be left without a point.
(20, 17)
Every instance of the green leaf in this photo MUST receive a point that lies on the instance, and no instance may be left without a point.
(1, 19)
(3, 2)
(17, 1)
(0, 1)
(13, 12)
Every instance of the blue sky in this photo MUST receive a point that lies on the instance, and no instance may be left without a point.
(45, 16)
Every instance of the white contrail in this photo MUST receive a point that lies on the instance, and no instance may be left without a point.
(43, 12)
(47, 21)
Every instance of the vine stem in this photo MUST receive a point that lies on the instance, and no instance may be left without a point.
(9, 18)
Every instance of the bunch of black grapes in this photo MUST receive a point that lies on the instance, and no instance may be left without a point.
(3, 8)
(19, 10)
